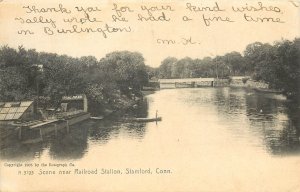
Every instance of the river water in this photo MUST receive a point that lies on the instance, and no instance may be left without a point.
(213, 139)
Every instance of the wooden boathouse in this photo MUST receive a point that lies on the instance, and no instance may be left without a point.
(31, 125)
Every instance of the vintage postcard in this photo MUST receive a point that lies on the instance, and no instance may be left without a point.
(156, 95)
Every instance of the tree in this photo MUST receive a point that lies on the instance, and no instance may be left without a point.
(127, 69)
(287, 71)
(236, 63)
(185, 67)
(17, 75)
(165, 69)
(222, 68)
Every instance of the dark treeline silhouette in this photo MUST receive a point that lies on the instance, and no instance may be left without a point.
(111, 82)
(115, 80)
(277, 64)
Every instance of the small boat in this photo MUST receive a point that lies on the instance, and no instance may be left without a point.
(97, 118)
(147, 119)
(155, 119)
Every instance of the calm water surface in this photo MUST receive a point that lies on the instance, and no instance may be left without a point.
(207, 134)
(201, 120)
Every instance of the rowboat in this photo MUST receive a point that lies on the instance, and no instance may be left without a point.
(155, 119)
(97, 118)
(147, 119)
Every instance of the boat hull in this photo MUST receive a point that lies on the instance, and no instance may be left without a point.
(144, 119)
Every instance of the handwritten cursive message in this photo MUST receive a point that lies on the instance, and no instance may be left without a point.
(125, 18)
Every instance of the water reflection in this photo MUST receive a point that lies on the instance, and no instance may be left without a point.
(17, 151)
(70, 146)
(107, 130)
(273, 119)
(273, 122)
(74, 145)
(265, 122)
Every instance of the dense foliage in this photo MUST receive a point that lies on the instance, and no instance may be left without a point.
(277, 64)
(112, 81)
(119, 76)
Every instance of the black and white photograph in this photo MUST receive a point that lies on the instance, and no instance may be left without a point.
(154, 96)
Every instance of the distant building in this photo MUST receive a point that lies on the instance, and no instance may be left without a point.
(16, 111)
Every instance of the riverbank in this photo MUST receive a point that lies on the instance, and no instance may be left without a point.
(108, 109)
(127, 103)
(119, 105)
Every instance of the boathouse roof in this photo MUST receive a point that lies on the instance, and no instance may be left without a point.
(13, 110)
(73, 98)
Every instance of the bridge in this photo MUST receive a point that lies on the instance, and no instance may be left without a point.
(185, 83)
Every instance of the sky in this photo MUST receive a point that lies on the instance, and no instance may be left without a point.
(191, 38)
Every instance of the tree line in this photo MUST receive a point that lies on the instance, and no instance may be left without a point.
(277, 64)
(119, 77)
(109, 82)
